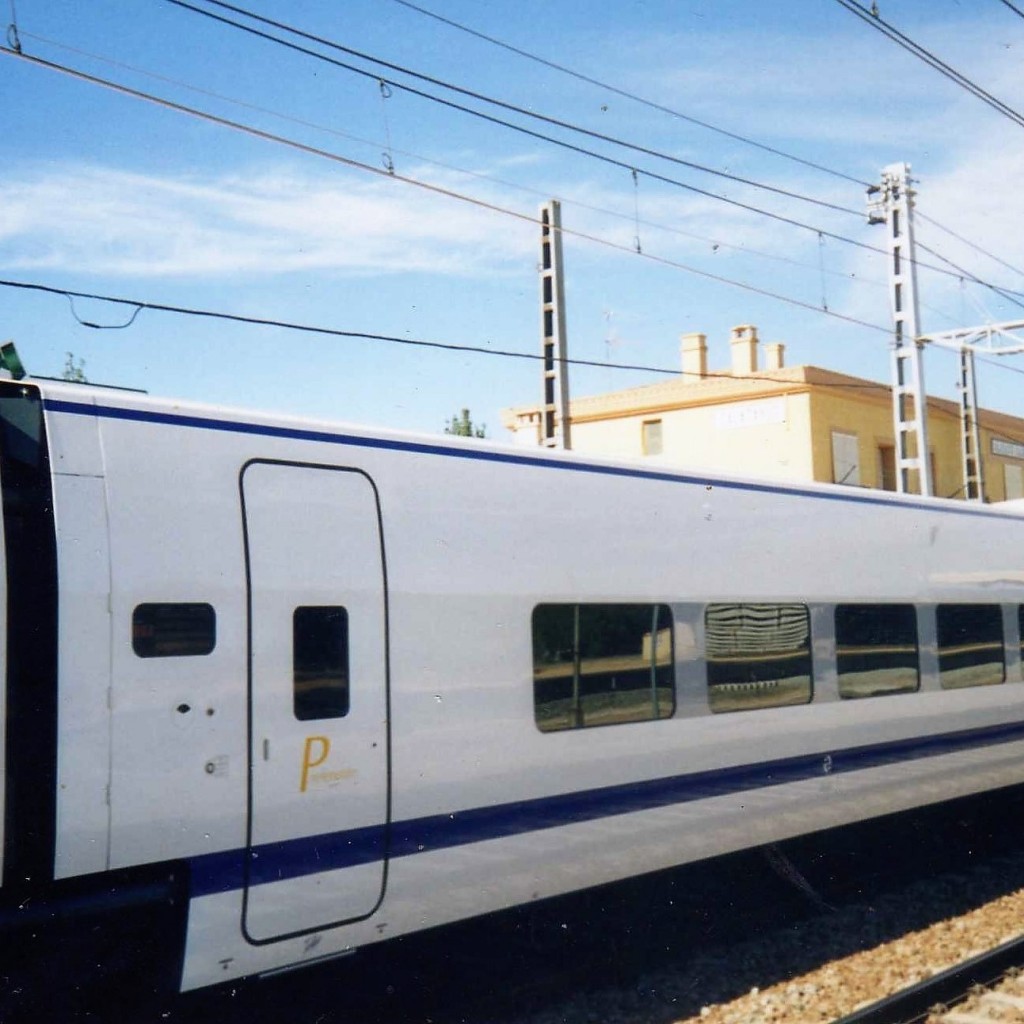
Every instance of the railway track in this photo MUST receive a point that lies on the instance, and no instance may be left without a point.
(985, 989)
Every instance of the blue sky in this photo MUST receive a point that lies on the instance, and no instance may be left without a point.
(106, 194)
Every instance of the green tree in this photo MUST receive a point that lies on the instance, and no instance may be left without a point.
(74, 371)
(463, 426)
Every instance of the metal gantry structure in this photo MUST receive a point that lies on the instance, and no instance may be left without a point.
(995, 339)
(892, 203)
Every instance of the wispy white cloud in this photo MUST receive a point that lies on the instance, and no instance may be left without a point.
(107, 221)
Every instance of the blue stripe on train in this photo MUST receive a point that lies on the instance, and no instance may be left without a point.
(848, 495)
(222, 872)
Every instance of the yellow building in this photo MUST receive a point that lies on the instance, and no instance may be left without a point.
(792, 423)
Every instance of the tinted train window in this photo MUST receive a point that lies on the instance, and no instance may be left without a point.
(876, 649)
(970, 645)
(173, 630)
(601, 664)
(758, 655)
(320, 662)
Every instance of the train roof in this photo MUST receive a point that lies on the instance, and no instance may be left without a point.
(127, 403)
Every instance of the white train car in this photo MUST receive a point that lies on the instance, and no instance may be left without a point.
(294, 688)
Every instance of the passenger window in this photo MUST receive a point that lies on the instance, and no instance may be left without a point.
(320, 663)
(876, 649)
(601, 664)
(173, 630)
(970, 645)
(758, 655)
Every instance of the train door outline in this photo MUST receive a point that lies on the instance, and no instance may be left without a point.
(319, 926)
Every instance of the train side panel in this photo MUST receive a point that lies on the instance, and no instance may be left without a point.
(487, 809)
(483, 802)
(297, 670)
(84, 650)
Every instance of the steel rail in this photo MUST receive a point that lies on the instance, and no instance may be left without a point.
(949, 986)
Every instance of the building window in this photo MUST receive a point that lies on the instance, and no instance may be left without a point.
(876, 649)
(319, 663)
(845, 459)
(651, 437)
(758, 655)
(601, 664)
(970, 645)
(173, 630)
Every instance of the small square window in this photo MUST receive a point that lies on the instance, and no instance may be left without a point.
(173, 630)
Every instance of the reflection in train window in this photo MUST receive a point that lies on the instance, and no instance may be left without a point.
(876, 649)
(970, 645)
(173, 630)
(320, 662)
(758, 655)
(601, 664)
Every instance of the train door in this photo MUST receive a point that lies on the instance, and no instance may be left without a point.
(318, 702)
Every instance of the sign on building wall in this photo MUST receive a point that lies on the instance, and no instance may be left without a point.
(750, 414)
(1007, 449)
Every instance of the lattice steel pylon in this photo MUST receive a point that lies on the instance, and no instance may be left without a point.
(554, 410)
(970, 438)
(995, 339)
(892, 204)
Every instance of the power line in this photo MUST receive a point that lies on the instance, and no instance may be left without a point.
(266, 136)
(1016, 10)
(820, 232)
(451, 193)
(242, 318)
(931, 60)
(546, 119)
(288, 325)
(972, 245)
(999, 365)
(630, 95)
(566, 199)
(1005, 293)
(604, 85)
(639, 99)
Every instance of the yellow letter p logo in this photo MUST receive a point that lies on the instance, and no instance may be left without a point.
(311, 760)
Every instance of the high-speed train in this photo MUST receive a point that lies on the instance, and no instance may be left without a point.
(275, 690)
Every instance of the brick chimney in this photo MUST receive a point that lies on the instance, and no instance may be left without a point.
(744, 350)
(694, 348)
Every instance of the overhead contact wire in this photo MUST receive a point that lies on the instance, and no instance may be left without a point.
(653, 105)
(930, 59)
(819, 232)
(266, 136)
(555, 122)
(968, 242)
(566, 199)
